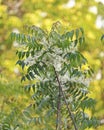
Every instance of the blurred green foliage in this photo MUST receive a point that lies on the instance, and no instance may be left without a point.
(16, 14)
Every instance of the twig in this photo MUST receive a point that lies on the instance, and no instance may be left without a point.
(58, 120)
(63, 94)
(58, 123)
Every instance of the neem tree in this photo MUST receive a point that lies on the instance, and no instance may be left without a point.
(58, 74)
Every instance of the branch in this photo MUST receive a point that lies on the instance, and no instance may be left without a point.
(58, 120)
(58, 125)
(63, 94)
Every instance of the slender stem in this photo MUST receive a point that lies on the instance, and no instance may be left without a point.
(58, 122)
(58, 125)
(63, 94)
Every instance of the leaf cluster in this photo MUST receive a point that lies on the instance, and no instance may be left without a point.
(44, 53)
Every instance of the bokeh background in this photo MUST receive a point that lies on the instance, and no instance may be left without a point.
(15, 14)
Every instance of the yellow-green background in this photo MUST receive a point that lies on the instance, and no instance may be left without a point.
(14, 14)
